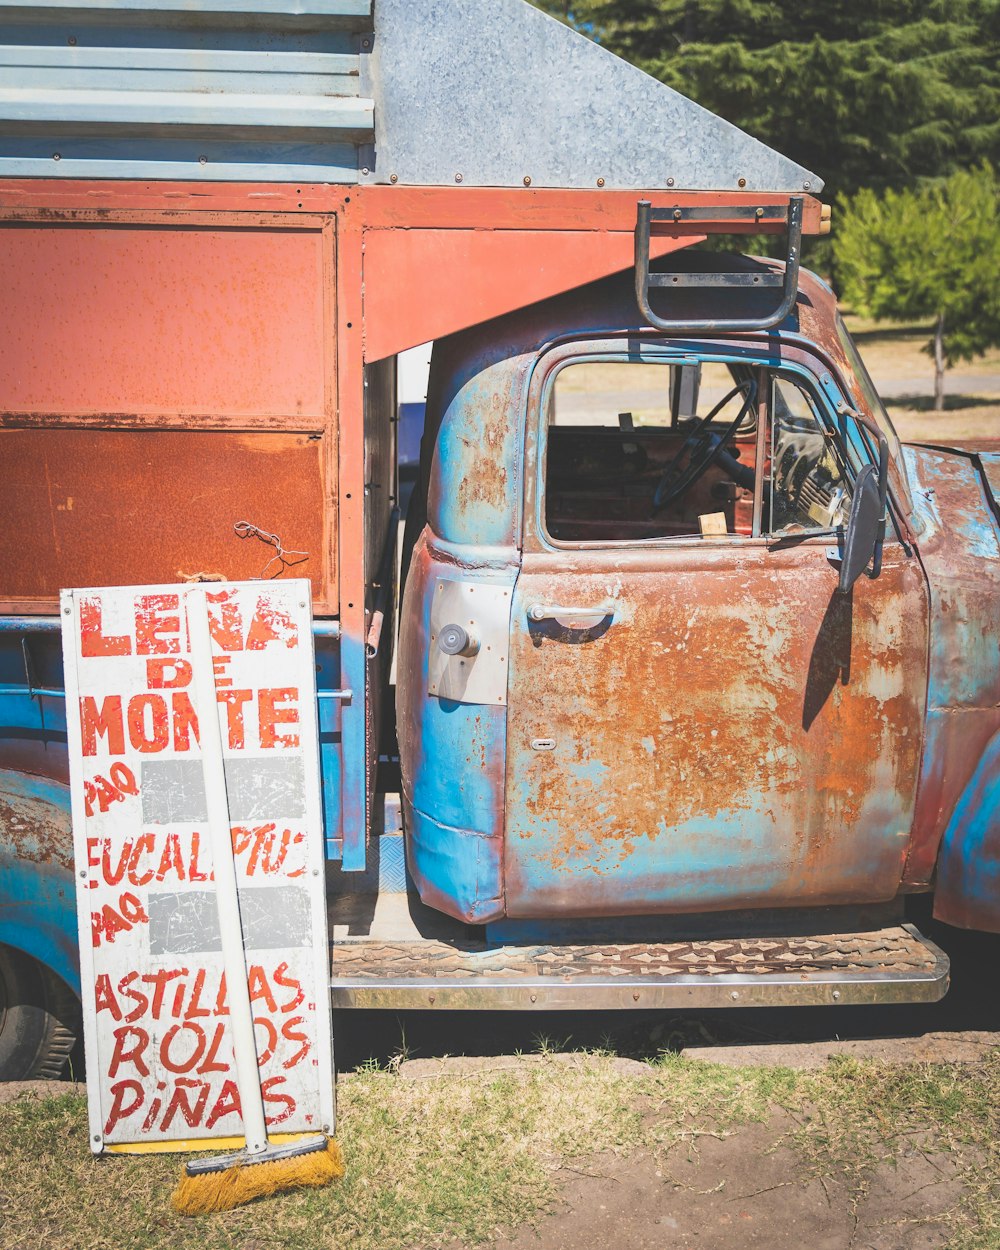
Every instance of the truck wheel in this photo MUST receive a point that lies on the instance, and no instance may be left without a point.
(39, 1019)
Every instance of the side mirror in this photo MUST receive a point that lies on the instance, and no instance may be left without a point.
(865, 527)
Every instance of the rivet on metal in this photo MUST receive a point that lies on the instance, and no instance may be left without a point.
(394, 177)
(677, 214)
(741, 182)
(67, 610)
(527, 180)
(97, 1137)
(735, 994)
(365, 170)
(458, 177)
(72, 41)
(635, 998)
(836, 994)
(56, 156)
(600, 182)
(366, 43)
(806, 186)
(202, 160)
(759, 213)
(83, 873)
(670, 182)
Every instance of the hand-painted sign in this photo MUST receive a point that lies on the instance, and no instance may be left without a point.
(159, 1051)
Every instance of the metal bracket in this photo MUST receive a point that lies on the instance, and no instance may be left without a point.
(646, 215)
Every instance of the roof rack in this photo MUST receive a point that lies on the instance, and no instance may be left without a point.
(789, 214)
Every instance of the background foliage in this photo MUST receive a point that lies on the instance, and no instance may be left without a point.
(867, 93)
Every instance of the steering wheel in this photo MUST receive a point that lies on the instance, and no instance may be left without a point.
(703, 446)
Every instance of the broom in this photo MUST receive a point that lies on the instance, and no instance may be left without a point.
(260, 1169)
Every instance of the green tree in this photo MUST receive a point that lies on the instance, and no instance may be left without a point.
(934, 253)
(873, 93)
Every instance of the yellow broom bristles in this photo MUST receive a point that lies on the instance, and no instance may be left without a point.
(249, 1179)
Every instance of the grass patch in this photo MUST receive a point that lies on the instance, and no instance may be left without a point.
(461, 1157)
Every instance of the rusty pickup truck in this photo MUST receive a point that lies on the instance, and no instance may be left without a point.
(697, 674)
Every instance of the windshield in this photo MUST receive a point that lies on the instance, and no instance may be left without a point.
(870, 394)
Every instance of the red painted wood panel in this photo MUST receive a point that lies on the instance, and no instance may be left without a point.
(183, 318)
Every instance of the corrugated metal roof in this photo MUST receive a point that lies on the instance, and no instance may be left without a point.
(482, 92)
(213, 89)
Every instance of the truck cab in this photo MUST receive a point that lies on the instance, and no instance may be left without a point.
(674, 669)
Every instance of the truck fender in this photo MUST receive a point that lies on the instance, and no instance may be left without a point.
(37, 893)
(967, 893)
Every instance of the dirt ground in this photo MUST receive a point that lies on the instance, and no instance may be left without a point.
(747, 1189)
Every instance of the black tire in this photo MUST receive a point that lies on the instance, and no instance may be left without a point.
(39, 1019)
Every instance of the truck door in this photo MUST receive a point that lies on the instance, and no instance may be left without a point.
(698, 719)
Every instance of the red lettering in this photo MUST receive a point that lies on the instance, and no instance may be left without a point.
(220, 668)
(259, 988)
(288, 983)
(148, 732)
(159, 981)
(131, 908)
(171, 859)
(291, 1034)
(221, 1006)
(93, 641)
(185, 721)
(234, 700)
(113, 876)
(179, 1101)
(121, 1054)
(267, 1087)
(144, 844)
(104, 996)
(125, 988)
(154, 1108)
(157, 625)
(227, 1103)
(107, 722)
(167, 674)
(271, 624)
(107, 924)
(194, 1008)
(194, 872)
(119, 1110)
(211, 1063)
(170, 1061)
(226, 627)
(272, 715)
(263, 1056)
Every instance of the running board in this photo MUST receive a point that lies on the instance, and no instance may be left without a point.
(895, 964)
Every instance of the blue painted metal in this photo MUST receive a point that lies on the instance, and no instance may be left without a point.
(37, 893)
(252, 90)
(958, 810)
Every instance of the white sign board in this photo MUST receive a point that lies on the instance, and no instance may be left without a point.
(158, 1046)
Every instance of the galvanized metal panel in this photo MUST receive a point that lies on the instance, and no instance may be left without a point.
(261, 89)
(496, 93)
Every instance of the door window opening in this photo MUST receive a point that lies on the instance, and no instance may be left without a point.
(642, 449)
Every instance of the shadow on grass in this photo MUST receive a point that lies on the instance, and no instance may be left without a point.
(952, 403)
(882, 334)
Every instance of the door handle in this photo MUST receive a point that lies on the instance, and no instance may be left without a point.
(554, 611)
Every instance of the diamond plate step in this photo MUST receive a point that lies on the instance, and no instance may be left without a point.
(895, 964)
